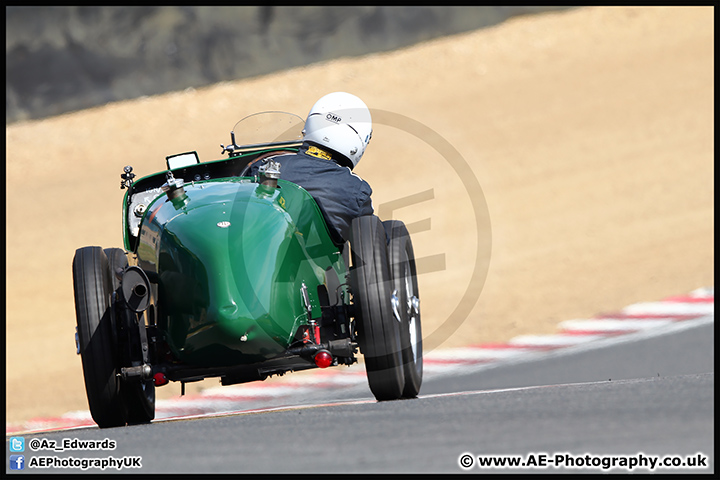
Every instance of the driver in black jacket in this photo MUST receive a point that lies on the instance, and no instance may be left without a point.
(337, 131)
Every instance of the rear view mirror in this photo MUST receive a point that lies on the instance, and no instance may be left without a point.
(182, 160)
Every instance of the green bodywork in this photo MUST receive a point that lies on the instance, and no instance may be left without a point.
(230, 257)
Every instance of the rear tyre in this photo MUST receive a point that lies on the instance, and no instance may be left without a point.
(97, 336)
(405, 289)
(378, 330)
(138, 395)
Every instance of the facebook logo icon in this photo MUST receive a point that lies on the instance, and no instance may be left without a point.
(17, 462)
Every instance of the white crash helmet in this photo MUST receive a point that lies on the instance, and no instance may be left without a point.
(340, 122)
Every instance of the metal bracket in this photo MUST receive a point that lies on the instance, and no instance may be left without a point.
(127, 178)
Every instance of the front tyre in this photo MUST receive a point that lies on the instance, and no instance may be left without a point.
(138, 395)
(97, 336)
(378, 330)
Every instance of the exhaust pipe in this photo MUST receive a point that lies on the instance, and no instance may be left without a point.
(135, 288)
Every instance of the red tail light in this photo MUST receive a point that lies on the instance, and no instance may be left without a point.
(159, 379)
(323, 359)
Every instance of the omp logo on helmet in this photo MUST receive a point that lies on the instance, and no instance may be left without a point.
(333, 118)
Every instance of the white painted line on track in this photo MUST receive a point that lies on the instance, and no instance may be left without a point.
(670, 308)
(611, 325)
(555, 341)
(464, 354)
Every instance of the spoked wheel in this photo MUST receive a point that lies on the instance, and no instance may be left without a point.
(138, 395)
(97, 336)
(378, 329)
(406, 303)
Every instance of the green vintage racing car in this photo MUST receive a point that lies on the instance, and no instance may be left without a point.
(231, 276)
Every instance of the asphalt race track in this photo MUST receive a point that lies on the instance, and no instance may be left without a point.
(648, 397)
